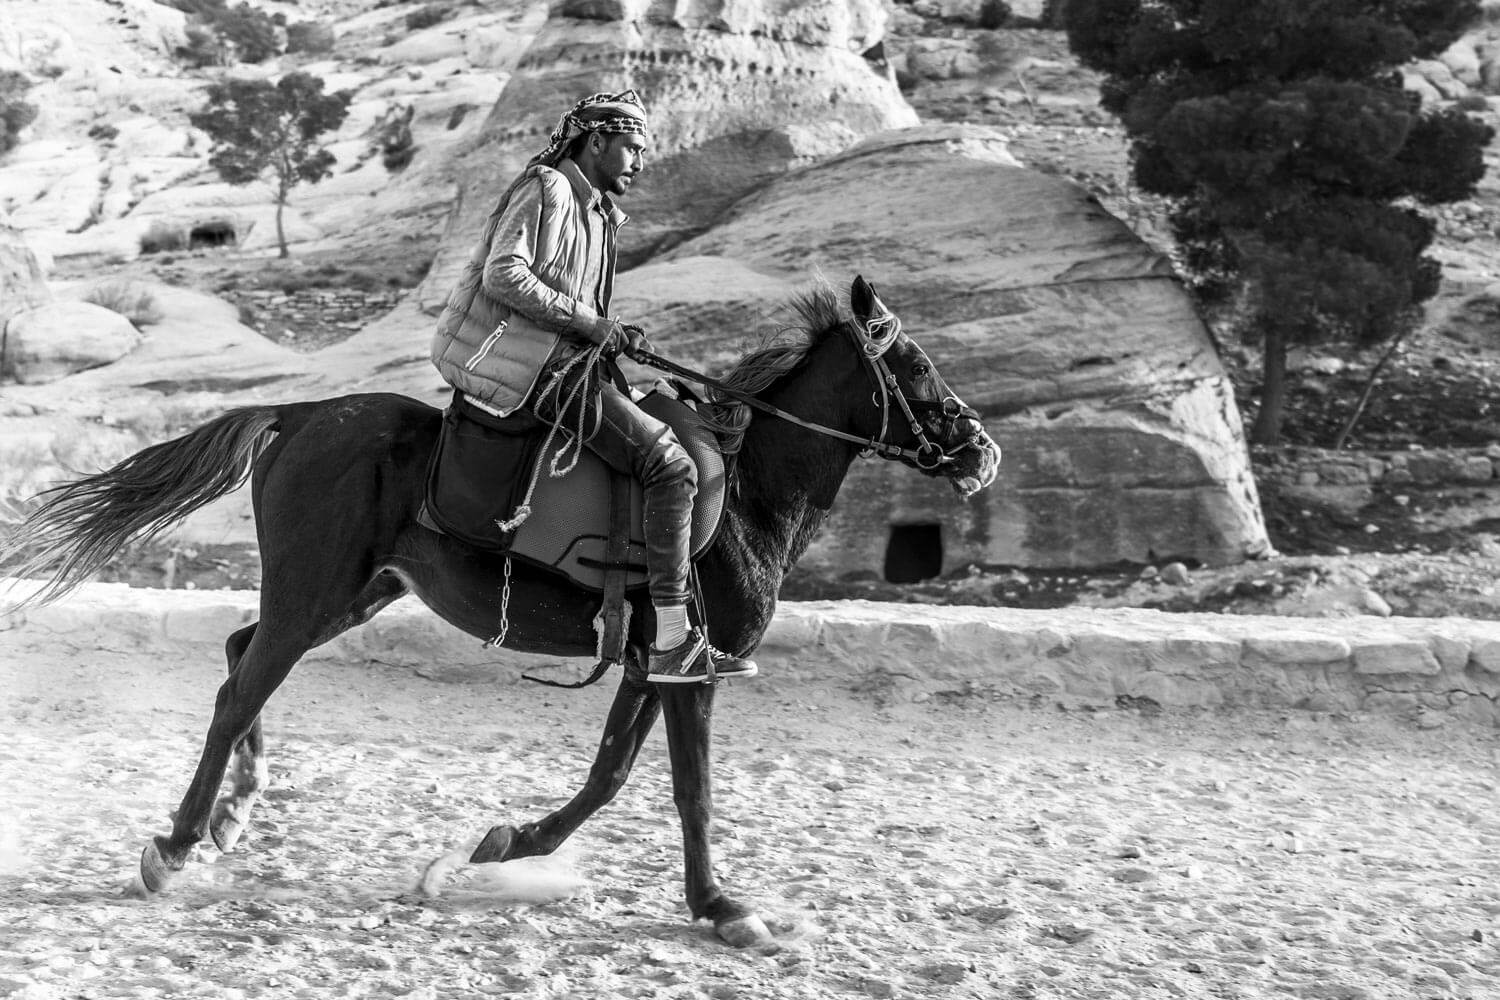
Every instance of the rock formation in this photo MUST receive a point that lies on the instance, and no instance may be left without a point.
(1124, 443)
(738, 93)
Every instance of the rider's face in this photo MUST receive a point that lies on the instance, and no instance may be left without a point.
(619, 160)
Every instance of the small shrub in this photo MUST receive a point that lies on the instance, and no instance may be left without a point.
(426, 17)
(204, 47)
(252, 32)
(309, 36)
(393, 135)
(216, 33)
(397, 160)
(247, 315)
(163, 235)
(104, 132)
(994, 14)
(135, 302)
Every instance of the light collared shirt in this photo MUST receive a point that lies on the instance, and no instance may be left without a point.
(596, 213)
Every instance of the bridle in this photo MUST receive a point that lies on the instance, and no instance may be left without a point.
(927, 455)
(950, 410)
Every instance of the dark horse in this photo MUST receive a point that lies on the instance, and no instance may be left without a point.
(337, 485)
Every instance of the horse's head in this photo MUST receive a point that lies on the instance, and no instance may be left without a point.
(913, 415)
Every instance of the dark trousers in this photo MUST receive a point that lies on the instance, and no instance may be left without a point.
(633, 442)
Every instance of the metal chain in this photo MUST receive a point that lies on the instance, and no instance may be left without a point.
(504, 611)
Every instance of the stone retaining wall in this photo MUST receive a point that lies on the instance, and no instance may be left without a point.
(1417, 668)
(1349, 479)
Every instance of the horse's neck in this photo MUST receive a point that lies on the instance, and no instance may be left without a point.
(787, 478)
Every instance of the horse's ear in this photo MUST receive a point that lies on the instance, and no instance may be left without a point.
(878, 326)
(862, 299)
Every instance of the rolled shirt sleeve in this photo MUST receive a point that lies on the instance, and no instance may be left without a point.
(508, 274)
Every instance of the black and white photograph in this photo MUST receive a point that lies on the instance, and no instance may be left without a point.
(750, 499)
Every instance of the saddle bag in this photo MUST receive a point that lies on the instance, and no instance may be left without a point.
(479, 472)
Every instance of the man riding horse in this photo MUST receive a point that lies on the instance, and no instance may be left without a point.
(525, 321)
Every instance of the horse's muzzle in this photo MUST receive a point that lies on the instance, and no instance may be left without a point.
(975, 465)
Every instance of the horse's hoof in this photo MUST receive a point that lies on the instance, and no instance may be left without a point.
(495, 846)
(748, 931)
(226, 829)
(151, 876)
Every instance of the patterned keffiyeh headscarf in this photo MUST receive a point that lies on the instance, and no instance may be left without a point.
(612, 114)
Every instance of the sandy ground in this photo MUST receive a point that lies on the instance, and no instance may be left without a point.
(954, 848)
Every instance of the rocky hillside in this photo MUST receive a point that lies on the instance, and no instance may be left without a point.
(774, 159)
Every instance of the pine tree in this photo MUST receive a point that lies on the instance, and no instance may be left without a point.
(1292, 159)
(269, 130)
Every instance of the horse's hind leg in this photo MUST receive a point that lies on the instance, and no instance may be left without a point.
(631, 717)
(269, 653)
(248, 773)
(265, 664)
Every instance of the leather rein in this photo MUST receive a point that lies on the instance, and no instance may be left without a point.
(926, 455)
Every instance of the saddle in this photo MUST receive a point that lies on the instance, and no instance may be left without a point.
(482, 467)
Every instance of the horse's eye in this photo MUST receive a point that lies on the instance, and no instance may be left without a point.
(920, 371)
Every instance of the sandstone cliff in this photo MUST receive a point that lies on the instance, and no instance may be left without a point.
(1122, 440)
(738, 94)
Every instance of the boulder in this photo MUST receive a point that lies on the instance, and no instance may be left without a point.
(1436, 75)
(738, 95)
(1462, 60)
(1121, 435)
(941, 58)
(51, 341)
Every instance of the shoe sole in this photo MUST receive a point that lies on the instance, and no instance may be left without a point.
(722, 675)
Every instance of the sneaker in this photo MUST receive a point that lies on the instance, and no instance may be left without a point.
(695, 662)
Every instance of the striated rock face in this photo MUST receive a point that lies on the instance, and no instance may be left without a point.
(1122, 443)
(738, 93)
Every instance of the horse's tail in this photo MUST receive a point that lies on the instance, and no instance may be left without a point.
(80, 526)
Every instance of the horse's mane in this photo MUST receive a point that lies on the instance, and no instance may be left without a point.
(818, 314)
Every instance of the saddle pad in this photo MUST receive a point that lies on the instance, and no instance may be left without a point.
(569, 523)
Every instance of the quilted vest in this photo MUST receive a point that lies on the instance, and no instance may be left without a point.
(487, 347)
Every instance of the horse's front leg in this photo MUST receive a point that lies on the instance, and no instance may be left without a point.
(631, 717)
(689, 710)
